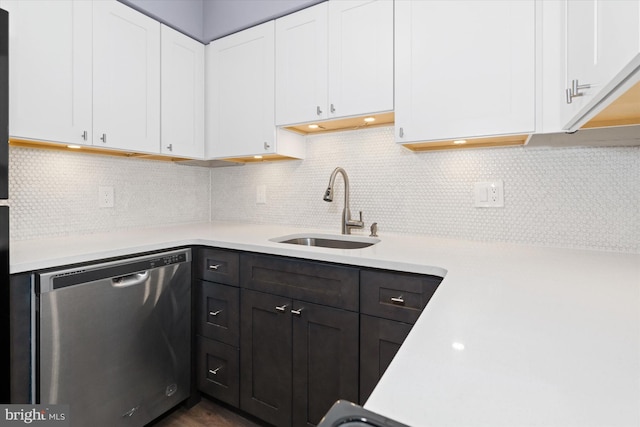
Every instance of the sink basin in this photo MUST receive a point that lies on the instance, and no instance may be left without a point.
(327, 241)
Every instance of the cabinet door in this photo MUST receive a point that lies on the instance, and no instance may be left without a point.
(325, 360)
(218, 312)
(464, 68)
(50, 70)
(240, 93)
(301, 66)
(602, 37)
(360, 57)
(218, 370)
(126, 78)
(182, 93)
(265, 388)
(380, 340)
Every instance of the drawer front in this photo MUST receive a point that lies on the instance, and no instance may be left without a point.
(217, 265)
(218, 372)
(309, 281)
(395, 296)
(219, 312)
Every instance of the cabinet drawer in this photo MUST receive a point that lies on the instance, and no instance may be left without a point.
(218, 372)
(395, 296)
(218, 312)
(216, 265)
(309, 281)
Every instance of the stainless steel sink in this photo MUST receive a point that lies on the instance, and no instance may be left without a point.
(327, 241)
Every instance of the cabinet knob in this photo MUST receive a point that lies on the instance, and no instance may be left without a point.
(215, 371)
(103, 138)
(297, 312)
(170, 147)
(214, 267)
(281, 308)
(215, 313)
(398, 300)
(318, 111)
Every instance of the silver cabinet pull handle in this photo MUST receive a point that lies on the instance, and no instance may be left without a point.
(266, 146)
(170, 147)
(575, 89)
(281, 308)
(214, 267)
(215, 371)
(333, 109)
(401, 133)
(215, 313)
(103, 138)
(398, 300)
(297, 312)
(318, 111)
(84, 135)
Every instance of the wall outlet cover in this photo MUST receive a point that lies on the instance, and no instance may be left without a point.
(105, 197)
(489, 194)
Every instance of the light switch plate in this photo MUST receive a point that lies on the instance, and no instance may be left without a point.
(489, 194)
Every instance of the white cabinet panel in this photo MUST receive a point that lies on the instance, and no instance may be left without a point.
(602, 38)
(360, 57)
(182, 92)
(126, 78)
(240, 94)
(464, 69)
(50, 70)
(301, 66)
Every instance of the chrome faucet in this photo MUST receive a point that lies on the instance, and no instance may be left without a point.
(347, 222)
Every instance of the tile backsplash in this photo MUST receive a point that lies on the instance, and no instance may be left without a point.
(563, 197)
(566, 197)
(55, 193)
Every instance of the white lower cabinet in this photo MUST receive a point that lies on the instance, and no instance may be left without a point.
(464, 69)
(240, 97)
(182, 93)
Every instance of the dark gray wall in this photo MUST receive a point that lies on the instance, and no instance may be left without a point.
(207, 20)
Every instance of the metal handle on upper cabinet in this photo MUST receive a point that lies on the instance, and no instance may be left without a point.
(297, 312)
(214, 267)
(332, 109)
(215, 371)
(84, 135)
(401, 133)
(575, 89)
(318, 111)
(282, 308)
(170, 147)
(398, 300)
(266, 146)
(215, 313)
(103, 138)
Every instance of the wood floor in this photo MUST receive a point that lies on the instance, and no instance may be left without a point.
(206, 413)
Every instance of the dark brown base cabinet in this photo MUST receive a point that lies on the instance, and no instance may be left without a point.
(283, 338)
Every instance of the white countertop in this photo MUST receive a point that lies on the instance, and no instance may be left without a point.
(514, 336)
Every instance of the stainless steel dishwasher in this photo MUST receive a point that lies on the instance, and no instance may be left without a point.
(114, 338)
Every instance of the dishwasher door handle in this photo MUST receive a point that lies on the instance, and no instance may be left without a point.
(130, 280)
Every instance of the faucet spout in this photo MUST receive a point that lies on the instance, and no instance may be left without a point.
(347, 222)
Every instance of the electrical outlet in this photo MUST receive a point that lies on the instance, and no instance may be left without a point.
(105, 197)
(261, 194)
(489, 194)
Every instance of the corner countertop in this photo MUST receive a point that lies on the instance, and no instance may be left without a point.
(515, 335)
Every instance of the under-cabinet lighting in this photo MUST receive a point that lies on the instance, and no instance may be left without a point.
(74, 147)
(257, 157)
(369, 119)
(460, 141)
(313, 126)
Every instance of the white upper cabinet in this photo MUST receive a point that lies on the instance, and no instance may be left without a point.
(334, 60)
(464, 69)
(126, 78)
(301, 66)
(50, 70)
(182, 93)
(360, 57)
(602, 41)
(240, 94)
